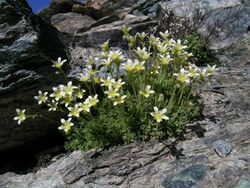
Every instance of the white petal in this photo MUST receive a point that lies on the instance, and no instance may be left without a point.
(158, 120)
(164, 110)
(156, 109)
(70, 83)
(166, 117)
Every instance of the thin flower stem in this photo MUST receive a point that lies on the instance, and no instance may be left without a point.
(172, 98)
(93, 85)
(118, 72)
(64, 76)
(63, 111)
(42, 117)
(181, 94)
(135, 94)
(87, 85)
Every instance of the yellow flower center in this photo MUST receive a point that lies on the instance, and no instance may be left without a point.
(93, 102)
(182, 78)
(67, 127)
(158, 116)
(85, 107)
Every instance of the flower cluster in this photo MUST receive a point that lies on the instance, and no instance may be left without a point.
(64, 98)
(156, 74)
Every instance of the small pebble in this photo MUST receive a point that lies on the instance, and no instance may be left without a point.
(222, 148)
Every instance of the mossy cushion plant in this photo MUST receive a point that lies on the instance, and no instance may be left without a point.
(120, 98)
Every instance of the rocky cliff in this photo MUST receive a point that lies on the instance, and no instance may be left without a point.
(27, 46)
(213, 152)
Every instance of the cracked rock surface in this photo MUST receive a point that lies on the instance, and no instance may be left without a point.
(191, 163)
(27, 45)
(188, 161)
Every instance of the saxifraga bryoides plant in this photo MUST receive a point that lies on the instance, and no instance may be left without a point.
(151, 92)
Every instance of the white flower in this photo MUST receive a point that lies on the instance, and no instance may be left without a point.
(210, 70)
(42, 97)
(141, 35)
(116, 56)
(119, 99)
(193, 71)
(177, 46)
(53, 105)
(165, 35)
(108, 82)
(203, 73)
(74, 111)
(162, 48)
(103, 55)
(146, 92)
(59, 63)
(68, 89)
(85, 77)
(138, 66)
(57, 94)
(79, 93)
(154, 40)
(118, 84)
(93, 100)
(159, 115)
(20, 116)
(183, 76)
(112, 93)
(66, 125)
(86, 106)
(165, 59)
(142, 53)
(107, 62)
(129, 66)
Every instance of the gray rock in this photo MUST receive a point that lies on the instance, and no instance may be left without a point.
(71, 23)
(243, 183)
(92, 12)
(222, 148)
(56, 7)
(27, 46)
(189, 177)
(224, 26)
(224, 21)
(186, 162)
(106, 20)
(98, 35)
